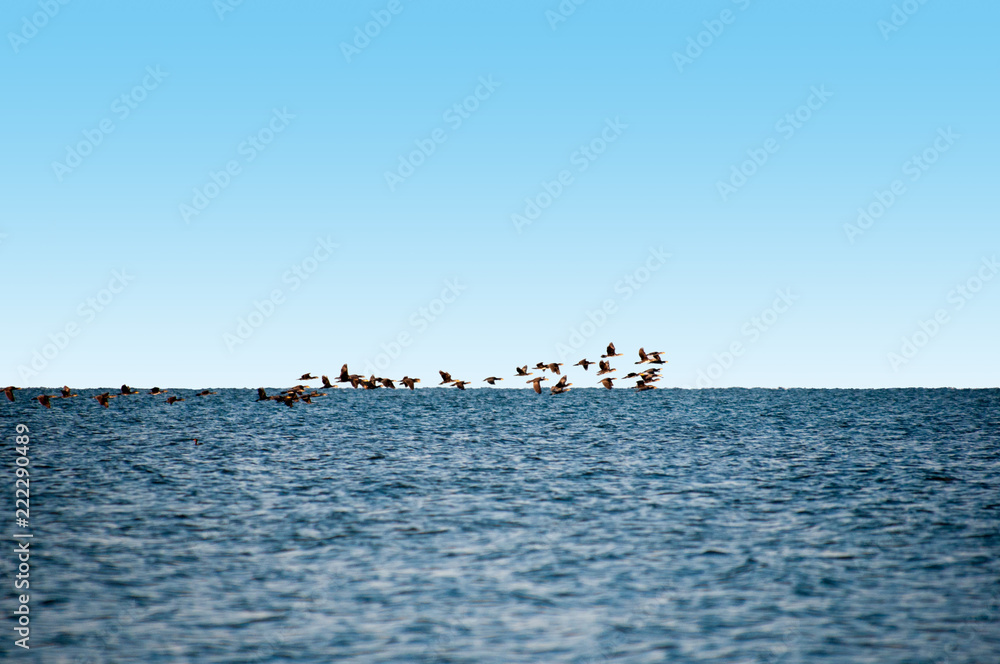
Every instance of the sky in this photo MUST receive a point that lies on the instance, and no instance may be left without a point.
(229, 194)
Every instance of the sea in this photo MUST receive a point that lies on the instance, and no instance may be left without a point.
(497, 525)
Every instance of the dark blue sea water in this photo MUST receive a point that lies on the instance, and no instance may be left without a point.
(770, 526)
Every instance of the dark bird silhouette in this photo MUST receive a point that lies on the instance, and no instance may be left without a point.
(492, 380)
(561, 386)
(66, 393)
(611, 352)
(387, 382)
(103, 398)
(9, 391)
(410, 382)
(307, 376)
(522, 371)
(44, 400)
(262, 395)
(460, 384)
(584, 363)
(128, 390)
(642, 387)
(173, 400)
(553, 367)
(540, 365)
(537, 383)
(157, 390)
(344, 377)
(204, 393)
(605, 367)
(445, 377)
(326, 382)
(645, 357)
(607, 382)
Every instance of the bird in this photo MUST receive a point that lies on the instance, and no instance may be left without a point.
(641, 387)
(344, 376)
(540, 365)
(196, 442)
(44, 400)
(605, 368)
(326, 382)
(522, 371)
(262, 395)
(445, 377)
(128, 390)
(611, 352)
(410, 382)
(66, 393)
(204, 393)
(645, 357)
(157, 390)
(460, 384)
(606, 382)
(492, 380)
(584, 363)
(387, 382)
(9, 391)
(103, 398)
(554, 367)
(307, 376)
(173, 400)
(537, 383)
(561, 386)
(654, 358)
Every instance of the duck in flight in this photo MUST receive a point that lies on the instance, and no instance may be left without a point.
(650, 358)
(44, 400)
(410, 382)
(326, 383)
(204, 393)
(537, 383)
(157, 390)
(445, 377)
(553, 367)
(66, 393)
(611, 352)
(173, 400)
(128, 390)
(523, 371)
(9, 392)
(584, 363)
(103, 398)
(307, 376)
(492, 380)
(605, 367)
(561, 386)
(607, 382)
(460, 384)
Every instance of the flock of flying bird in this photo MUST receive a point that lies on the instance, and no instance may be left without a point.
(645, 380)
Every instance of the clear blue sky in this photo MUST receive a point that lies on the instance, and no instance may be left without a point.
(643, 127)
